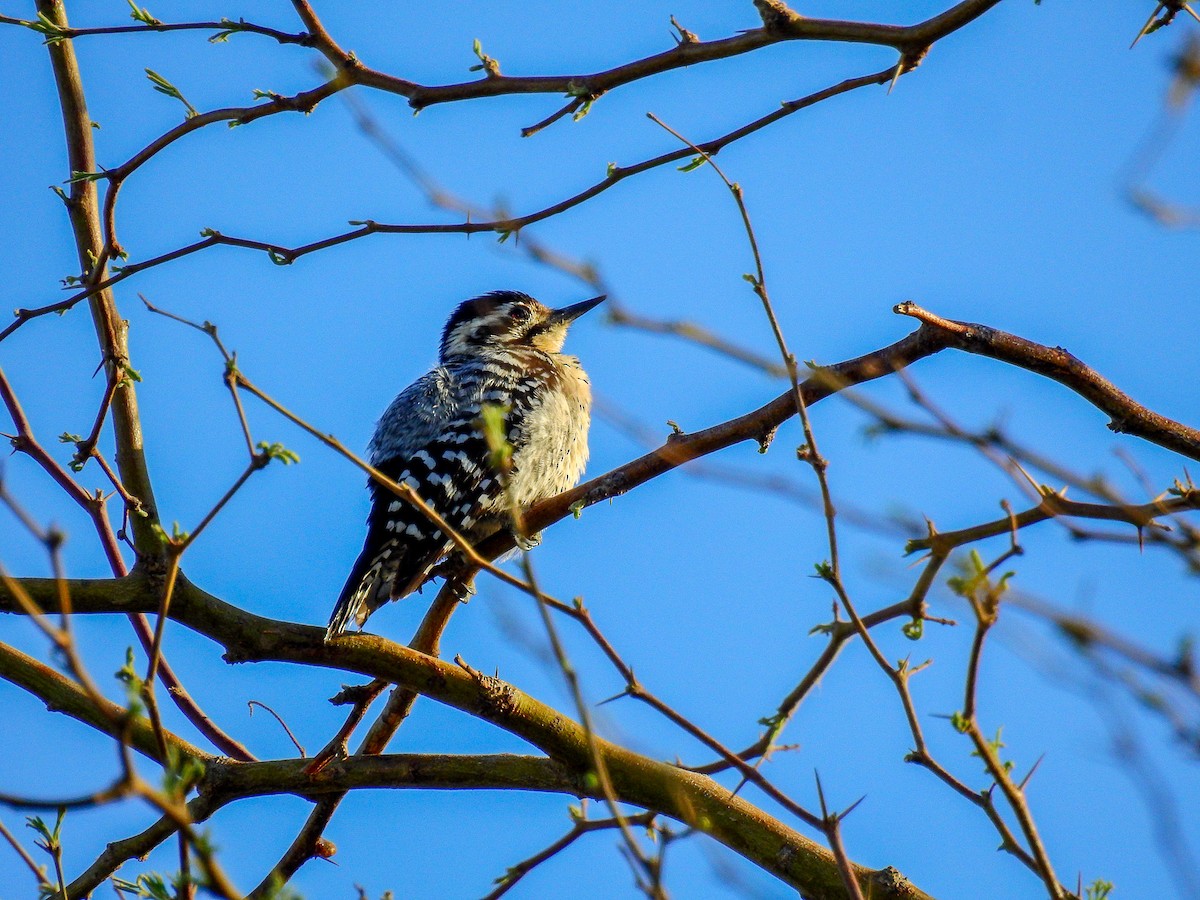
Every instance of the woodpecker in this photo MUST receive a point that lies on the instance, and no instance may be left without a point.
(501, 349)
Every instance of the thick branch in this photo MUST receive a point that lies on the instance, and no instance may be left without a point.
(61, 694)
(111, 329)
(934, 335)
(691, 798)
(226, 782)
(759, 425)
(1127, 415)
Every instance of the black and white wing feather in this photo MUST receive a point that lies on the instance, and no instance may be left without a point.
(429, 439)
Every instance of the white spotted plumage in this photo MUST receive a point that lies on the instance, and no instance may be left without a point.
(502, 348)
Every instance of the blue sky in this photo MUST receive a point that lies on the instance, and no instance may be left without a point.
(988, 187)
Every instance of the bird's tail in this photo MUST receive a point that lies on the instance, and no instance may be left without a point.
(368, 588)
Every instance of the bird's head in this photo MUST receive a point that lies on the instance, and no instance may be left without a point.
(508, 318)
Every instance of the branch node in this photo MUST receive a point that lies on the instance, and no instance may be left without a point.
(777, 16)
(685, 36)
(893, 880)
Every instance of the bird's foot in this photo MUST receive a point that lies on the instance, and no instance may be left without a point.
(526, 541)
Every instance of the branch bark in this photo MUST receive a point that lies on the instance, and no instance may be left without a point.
(1126, 415)
(61, 694)
(111, 329)
(687, 796)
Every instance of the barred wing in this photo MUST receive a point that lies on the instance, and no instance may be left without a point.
(452, 475)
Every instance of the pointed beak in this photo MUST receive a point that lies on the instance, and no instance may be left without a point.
(569, 314)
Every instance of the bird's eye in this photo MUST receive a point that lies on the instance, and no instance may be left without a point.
(520, 314)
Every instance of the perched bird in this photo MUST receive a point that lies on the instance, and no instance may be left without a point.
(500, 349)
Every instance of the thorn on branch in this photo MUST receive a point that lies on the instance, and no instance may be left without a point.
(909, 60)
(497, 696)
(1169, 9)
(685, 36)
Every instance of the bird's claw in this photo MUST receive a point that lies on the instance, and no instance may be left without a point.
(526, 541)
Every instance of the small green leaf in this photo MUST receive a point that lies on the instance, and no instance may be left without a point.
(697, 162)
(611, 170)
(50, 837)
(577, 508)
(222, 37)
(493, 421)
(773, 724)
(583, 110)
(165, 87)
(177, 535)
(181, 772)
(486, 63)
(148, 885)
(996, 745)
(142, 15)
(278, 452)
(913, 630)
(129, 677)
(46, 26)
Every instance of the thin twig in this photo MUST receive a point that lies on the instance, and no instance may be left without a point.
(571, 677)
(282, 724)
(579, 827)
(38, 872)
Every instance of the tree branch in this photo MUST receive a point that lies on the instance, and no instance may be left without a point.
(691, 798)
(1127, 416)
(61, 694)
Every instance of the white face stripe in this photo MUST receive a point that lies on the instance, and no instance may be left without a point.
(470, 334)
(499, 326)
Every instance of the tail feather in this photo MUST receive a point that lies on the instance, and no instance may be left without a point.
(368, 587)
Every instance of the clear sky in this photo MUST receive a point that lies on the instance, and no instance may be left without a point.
(988, 186)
